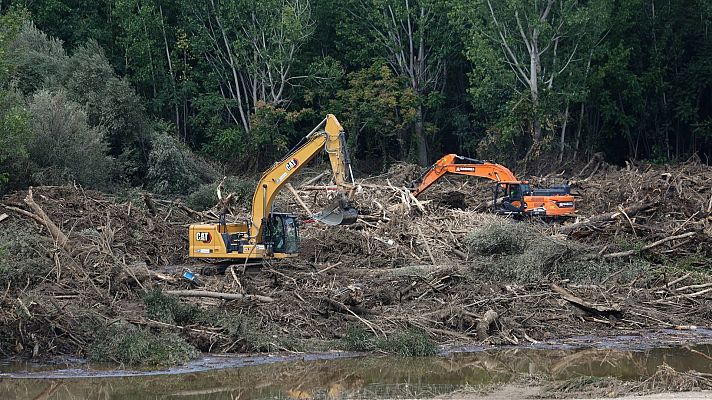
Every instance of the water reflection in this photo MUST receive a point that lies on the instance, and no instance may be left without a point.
(366, 377)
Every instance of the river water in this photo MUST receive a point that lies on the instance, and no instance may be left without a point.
(344, 375)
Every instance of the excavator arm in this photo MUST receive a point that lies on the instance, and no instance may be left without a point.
(454, 164)
(329, 136)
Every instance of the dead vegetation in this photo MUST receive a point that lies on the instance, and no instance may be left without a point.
(76, 262)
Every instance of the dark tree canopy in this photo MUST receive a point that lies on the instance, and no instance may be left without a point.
(237, 83)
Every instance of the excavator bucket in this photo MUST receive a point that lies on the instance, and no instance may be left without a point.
(339, 212)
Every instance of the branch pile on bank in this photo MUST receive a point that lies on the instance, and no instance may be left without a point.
(634, 258)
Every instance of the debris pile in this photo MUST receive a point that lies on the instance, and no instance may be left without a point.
(636, 257)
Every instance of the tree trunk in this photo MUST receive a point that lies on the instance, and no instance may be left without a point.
(563, 134)
(578, 133)
(420, 140)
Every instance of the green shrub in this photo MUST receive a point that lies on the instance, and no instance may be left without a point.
(407, 343)
(173, 168)
(206, 197)
(64, 147)
(507, 251)
(358, 339)
(22, 254)
(169, 309)
(499, 236)
(127, 344)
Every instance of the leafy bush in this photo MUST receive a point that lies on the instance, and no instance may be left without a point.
(173, 168)
(64, 147)
(37, 59)
(169, 309)
(407, 343)
(206, 196)
(358, 339)
(111, 102)
(499, 236)
(127, 344)
(508, 251)
(14, 137)
(21, 257)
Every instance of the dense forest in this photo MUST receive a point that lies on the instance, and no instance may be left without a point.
(168, 95)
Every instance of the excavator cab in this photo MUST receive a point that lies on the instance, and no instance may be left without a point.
(281, 234)
(509, 198)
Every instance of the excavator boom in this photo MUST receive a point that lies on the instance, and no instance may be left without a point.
(454, 164)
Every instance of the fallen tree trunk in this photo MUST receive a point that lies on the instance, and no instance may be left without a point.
(218, 295)
(338, 306)
(59, 236)
(649, 246)
(583, 304)
(484, 325)
(606, 218)
(298, 198)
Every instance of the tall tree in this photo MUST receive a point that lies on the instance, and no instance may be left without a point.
(251, 48)
(415, 39)
(538, 42)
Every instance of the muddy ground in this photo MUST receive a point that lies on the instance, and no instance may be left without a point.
(410, 274)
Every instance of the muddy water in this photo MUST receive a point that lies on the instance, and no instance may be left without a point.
(337, 376)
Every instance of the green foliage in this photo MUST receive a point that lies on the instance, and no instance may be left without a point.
(14, 137)
(358, 339)
(38, 60)
(508, 251)
(409, 343)
(173, 168)
(10, 25)
(63, 146)
(500, 236)
(169, 309)
(21, 259)
(206, 197)
(641, 90)
(406, 343)
(127, 344)
(110, 102)
(378, 112)
(272, 130)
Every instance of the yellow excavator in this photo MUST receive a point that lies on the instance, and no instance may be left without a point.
(269, 234)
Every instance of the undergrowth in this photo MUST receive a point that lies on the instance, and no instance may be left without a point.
(24, 254)
(205, 196)
(128, 344)
(242, 329)
(406, 343)
(507, 251)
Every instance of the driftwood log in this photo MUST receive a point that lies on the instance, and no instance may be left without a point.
(39, 215)
(583, 304)
(219, 295)
(606, 218)
(484, 325)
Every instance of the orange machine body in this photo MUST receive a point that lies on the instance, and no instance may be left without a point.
(519, 196)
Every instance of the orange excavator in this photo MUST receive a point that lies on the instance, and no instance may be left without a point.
(510, 195)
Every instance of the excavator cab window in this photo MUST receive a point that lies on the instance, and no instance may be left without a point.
(512, 198)
(282, 233)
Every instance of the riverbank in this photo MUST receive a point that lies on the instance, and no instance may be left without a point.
(567, 368)
(100, 276)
